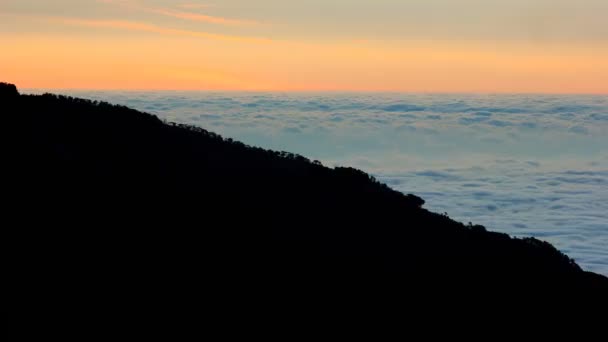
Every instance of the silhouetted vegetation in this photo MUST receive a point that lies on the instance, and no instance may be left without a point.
(105, 193)
(8, 90)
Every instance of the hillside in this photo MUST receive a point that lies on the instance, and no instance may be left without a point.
(104, 189)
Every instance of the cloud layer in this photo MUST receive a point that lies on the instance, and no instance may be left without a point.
(180, 14)
(522, 164)
(144, 27)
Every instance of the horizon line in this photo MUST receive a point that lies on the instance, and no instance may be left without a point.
(334, 91)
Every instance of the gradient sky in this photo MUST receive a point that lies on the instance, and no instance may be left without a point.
(516, 46)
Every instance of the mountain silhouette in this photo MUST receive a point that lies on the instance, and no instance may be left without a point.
(129, 207)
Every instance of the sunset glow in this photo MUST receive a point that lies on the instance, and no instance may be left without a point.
(234, 45)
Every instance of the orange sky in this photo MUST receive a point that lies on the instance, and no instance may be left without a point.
(113, 51)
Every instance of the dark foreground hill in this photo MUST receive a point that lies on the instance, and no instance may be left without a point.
(113, 203)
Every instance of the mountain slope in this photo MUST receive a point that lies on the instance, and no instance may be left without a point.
(104, 189)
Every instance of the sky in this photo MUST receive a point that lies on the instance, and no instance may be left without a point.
(479, 46)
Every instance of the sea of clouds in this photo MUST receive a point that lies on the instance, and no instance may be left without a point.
(527, 165)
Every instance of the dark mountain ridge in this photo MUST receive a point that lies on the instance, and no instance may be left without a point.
(104, 193)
